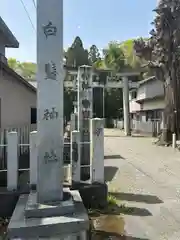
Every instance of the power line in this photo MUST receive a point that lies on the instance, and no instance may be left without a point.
(28, 14)
(34, 3)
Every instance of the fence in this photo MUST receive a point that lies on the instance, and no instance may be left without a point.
(23, 133)
(14, 166)
(152, 128)
(10, 174)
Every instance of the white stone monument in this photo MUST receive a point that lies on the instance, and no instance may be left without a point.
(52, 211)
(50, 77)
(97, 150)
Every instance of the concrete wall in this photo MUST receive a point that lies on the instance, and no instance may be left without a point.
(150, 89)
(150, 127)
(134, 106)
(16, 101)
(153, 104)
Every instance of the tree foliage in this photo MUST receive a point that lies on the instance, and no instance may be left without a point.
(131, 59)
(114, 57)
(163, 55)
(76, 55)
(25, 69)
(93, 55)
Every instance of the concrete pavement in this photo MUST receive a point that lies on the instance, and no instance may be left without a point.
(147, 179)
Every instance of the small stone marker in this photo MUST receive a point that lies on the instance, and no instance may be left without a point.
(97, 150)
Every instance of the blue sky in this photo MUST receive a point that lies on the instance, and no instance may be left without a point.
(95, 21)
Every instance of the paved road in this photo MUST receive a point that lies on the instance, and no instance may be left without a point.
(147, 178)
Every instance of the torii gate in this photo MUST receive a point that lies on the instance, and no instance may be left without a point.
(119, 80)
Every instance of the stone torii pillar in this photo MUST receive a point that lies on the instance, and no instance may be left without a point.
(127, 129)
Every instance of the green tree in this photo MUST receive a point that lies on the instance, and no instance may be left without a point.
(13, 63)
(162, 52)
(99, 64)
(76, 55)
(26, 69)
(94, 54)
(114, 57)
(113, 104)
(131, 60)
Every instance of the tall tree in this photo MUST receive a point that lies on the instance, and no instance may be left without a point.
(163, 54)
(76, 55)
(25, 69)
(94, 54)
(13, 63)
(131, 60)
(114, 57)
(28, 70)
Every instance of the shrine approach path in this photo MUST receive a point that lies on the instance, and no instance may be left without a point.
(146, 179)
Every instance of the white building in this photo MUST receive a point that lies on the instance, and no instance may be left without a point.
(17, 96)
(147, 101)
(146, 105)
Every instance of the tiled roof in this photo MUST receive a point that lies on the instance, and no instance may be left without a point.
(11, 41)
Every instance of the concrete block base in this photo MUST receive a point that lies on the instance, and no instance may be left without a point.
(8, 200)
(93, 195)
(61, 227)
(36, 210)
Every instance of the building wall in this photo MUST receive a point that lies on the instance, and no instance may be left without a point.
(153, 104)
(134, 106)
(150, 89)
(2, 47)
(16, 101)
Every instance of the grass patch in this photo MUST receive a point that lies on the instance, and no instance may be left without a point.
(113, 208)
(112, 200)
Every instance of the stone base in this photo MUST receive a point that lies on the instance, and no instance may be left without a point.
(8, 200)
(47, 227)
(36, 210)
(93, 195)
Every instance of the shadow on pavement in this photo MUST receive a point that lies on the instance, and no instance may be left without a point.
(113, 157)
(149, 199)
(115, 135)
(134, 211)
(121, 209)
(109, 173)
(101, 235)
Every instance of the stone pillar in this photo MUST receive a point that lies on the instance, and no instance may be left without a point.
(50, 78)
(76, 120)
(103, 104)
(52, 212)
(174, 140)
(33, 158)
(126, 106)
(97, 150)
(73, 121)
(85, 111)
(75, 156)
(12, 161)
